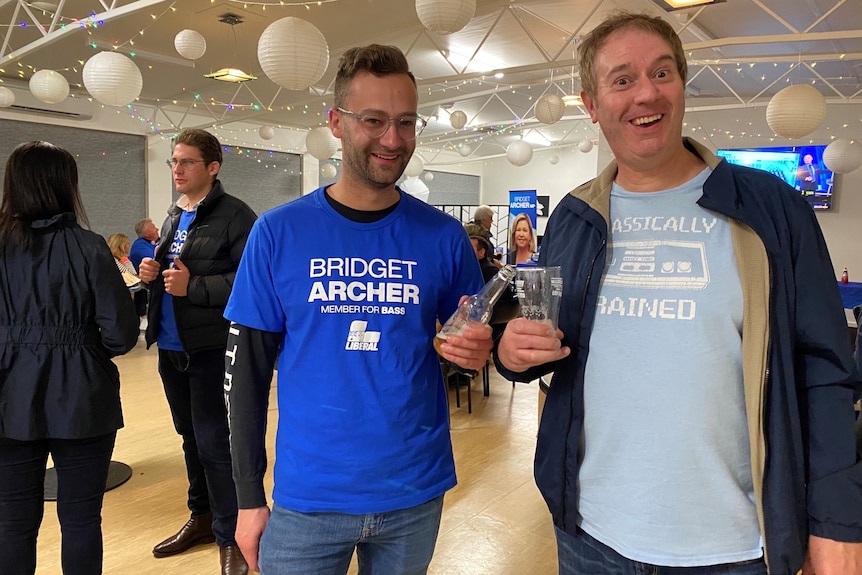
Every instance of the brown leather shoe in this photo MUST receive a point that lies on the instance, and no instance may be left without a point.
(197, 530)
(232, 561)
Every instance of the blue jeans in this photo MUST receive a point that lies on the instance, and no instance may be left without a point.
(394, 543)
(194, 386)
(583, 555)
(82, 470)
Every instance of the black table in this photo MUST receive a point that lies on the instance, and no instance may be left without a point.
(118, 473)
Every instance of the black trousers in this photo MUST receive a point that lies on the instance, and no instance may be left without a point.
(82, 470)
(194, 386)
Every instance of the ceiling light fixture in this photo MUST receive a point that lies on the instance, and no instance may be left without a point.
(234, 75)
(230, 75)
(572, 100)
(671, 5)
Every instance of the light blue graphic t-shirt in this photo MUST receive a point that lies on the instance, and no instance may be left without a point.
(169, 336)
(665, 475)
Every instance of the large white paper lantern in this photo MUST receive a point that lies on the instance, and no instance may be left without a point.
(458, 119)
(112, 78)
(49, 86)
(519, 153)
(585, 145)
(414, 167)
(190, 44)
(293, 53)
(843, 156)
(266, 132)
(445, 16)
(549, 108)
(7, 97)
(465, 150)
(328, 171)
(796, 111)
(320, 143)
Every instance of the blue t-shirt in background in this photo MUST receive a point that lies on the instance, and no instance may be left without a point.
(169, 336)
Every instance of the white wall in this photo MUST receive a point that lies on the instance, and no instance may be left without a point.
(842, 227)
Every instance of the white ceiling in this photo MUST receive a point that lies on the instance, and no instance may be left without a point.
(740, 53)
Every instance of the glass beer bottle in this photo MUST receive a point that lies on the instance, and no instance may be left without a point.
(477, 308)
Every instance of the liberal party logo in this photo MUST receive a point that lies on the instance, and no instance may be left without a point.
(360, 340)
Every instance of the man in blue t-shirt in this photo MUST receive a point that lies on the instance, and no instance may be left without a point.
(189, 281)
(363, 454)
(143, 247)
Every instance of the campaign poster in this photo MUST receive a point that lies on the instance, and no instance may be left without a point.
(522, 226)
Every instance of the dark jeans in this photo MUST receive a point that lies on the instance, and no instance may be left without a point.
(194, 386)
(82, 470)
(583, 555)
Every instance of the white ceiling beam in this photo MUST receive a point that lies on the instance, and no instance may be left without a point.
(774, 38)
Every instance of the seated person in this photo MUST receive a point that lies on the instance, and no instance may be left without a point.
(506, 307)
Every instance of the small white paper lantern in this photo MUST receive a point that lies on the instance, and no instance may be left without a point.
(519, 153)
(293, 53)
(190, 44)
(445, 16)
(328, 171)
(320, 143)
(843, 156)
(414, 167)
(554, 159)
(428, 176)
(585, 145)
(266, 132)
(458, 119)
(549, 108)
(796, 111)
(49, 86)
(465, 150)
(112, 78)
(7, 97)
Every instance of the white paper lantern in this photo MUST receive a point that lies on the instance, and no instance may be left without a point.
(465, 150)
(458, 119)
(414, 167)
(549, 108)
(328, 171)
(49, 86)
(796, 111)
(293, 53)
(7, 97)
(843, 156)
(428, 176)
(519, 153)
(585, 145)
(190, 44)
(266, 132)
(320, 143)
(112, 78)
(445, 16)
(554, 159)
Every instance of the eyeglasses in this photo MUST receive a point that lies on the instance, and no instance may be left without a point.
(185, 163)
(375, 124)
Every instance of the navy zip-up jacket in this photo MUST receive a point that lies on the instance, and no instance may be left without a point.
(798, 371)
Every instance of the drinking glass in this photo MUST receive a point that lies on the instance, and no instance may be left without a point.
(539, 291)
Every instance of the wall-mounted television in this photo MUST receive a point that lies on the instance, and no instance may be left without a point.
(800, 166)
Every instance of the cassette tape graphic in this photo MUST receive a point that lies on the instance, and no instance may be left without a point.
(658, 264)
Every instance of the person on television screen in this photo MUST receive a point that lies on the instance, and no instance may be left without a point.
(807, 175)
(700, 416)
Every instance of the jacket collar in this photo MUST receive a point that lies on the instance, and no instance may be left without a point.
(206, 204)
(63, 219)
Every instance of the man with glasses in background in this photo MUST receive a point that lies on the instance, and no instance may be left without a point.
(344, 286)
(189, 282)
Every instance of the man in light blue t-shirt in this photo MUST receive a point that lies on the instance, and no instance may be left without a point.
(343, 288)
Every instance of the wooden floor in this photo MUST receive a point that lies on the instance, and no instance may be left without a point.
(494, 521)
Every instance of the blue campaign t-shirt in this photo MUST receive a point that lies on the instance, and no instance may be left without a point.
(362, 412)
(169, 336)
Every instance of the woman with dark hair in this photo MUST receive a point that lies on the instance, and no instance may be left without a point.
(65, 312)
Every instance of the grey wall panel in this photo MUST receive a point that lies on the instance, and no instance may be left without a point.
(262, 179)
(112, 170)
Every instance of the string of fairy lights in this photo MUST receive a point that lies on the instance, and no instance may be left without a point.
(146, 111)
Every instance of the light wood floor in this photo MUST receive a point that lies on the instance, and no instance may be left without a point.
(494, 521)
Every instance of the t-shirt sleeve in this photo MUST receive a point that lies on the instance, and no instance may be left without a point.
(254, 301)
